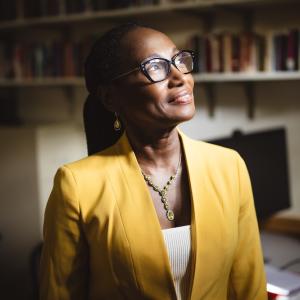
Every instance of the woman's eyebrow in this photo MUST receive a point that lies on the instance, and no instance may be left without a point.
(155, 55)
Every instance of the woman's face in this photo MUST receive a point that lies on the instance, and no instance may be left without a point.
(145, 105)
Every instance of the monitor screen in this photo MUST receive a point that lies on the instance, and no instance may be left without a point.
(265, 154)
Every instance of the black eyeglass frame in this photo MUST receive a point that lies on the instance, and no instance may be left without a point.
(142, 66)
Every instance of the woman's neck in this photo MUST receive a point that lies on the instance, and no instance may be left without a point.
(156, 151)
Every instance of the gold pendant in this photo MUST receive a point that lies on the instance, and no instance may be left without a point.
(117, 125)
(170, 215)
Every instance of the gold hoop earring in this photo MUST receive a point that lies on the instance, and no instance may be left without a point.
(117, 123)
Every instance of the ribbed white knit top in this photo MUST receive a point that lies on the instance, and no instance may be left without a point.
(178, 244)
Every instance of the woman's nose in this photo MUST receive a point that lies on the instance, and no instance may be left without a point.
(176, 77)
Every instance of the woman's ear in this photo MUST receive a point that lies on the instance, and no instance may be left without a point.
(106, 95)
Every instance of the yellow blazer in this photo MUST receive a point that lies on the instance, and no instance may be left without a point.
(102, 237)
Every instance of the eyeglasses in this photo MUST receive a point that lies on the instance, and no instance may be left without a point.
(157, 69)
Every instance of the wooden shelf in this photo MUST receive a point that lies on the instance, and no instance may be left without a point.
(131, 12)
(42, 82)
(246, 77)
(199, 78)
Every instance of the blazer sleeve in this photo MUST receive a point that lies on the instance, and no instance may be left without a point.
(64, 262)
(247, 276)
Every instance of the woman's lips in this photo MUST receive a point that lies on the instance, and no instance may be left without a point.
(183, 98)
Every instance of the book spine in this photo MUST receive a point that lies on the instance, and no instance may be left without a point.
(227, 47)
(207, 51)
(68, 68)
(17, 61)
(253, 57)
(298, 49)
(215, 50)
(260, 50)
(292, 50)
(235, 54)
(280, 51)
(269, 57)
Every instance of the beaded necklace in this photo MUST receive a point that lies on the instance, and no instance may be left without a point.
(163, 191)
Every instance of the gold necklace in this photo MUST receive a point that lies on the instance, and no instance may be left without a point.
(163, 191)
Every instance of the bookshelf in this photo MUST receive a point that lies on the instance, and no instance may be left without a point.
(246, 77)
(133, 11)
(43, 82)
(162, 9)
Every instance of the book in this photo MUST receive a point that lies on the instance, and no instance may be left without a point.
(269, 57)
(207, 51)
(280, 51)
(248, 52)
(282, 282)
(215, 53)
(235, 53)
(227, 52)
(292, 50)
(17, 61)
(260, 52)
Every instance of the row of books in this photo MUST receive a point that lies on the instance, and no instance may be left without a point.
(37, 60)
(13, 9)
(247, 52)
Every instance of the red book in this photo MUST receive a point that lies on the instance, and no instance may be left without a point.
(247, 52)
(69, 68)
(221, 52)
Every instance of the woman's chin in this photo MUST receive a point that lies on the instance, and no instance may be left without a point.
(183, 113)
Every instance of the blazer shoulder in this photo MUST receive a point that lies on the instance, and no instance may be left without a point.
(96, 163)
(212, 151)
(218, 151)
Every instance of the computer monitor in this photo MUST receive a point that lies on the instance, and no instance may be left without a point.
(265, 154)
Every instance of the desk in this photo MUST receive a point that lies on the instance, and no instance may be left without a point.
(281, 246)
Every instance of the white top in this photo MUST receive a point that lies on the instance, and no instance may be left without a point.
(178, 245)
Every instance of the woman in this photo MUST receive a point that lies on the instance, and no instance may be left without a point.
(154, 214)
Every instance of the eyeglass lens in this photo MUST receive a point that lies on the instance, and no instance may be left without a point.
(158, 69)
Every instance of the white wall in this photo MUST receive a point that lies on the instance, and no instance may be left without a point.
(56, 145)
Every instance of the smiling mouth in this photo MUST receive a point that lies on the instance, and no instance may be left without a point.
(184, 98)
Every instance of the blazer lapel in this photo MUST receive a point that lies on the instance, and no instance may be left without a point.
(207, 224)
(149, 256)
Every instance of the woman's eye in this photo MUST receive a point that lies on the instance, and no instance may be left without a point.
(181, 60)
(154, 67)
